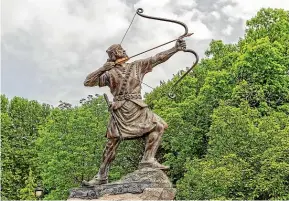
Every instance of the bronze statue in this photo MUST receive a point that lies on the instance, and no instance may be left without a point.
(130, 116)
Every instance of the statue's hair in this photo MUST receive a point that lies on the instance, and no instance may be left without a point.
(111, 51)
(112, 48)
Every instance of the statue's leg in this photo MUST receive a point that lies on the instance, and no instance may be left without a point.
(153, 141)
(107, 158)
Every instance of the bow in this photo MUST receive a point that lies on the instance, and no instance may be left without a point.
(139, 12)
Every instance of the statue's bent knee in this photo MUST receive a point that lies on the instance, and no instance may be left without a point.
(160, 127)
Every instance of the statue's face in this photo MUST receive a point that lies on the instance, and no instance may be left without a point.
(119, 52)
(116, 52)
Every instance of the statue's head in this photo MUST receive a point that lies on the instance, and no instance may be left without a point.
(116, 52)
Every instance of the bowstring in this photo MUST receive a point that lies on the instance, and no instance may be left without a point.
(141, 82)
(128, 28)
(144, 52)
(121, 43)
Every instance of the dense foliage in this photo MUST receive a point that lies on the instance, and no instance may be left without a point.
(20, 119)
(229, 124)
(228, 135)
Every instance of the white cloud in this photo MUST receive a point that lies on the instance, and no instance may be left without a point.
(187, 3)
(65, 32)
(65, 40)
(224, 1)
(245, 9)
(228, 30)
(152, 3)
(61, 41)
(215, 14)
(202, 32)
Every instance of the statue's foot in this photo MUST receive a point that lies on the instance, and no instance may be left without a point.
(154, 165)
(94, 182)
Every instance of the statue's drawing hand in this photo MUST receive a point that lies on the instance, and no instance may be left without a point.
(109, 65)
(180, 45)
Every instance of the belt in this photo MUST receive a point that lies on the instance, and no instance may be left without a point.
(127, 97)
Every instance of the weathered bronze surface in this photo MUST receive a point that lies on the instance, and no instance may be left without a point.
(131, 118)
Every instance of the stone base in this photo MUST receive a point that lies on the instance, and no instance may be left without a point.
(144, 184)
(147, 194)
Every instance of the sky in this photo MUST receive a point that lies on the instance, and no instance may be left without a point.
(48, 47)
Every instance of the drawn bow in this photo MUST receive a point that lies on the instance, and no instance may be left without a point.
(139, 12)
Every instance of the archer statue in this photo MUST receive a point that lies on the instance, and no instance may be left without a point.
(130, 116)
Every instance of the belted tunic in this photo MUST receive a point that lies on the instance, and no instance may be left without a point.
(134, 118)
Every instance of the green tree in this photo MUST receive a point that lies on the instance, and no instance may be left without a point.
(27, 193)
(70, 146)
(247, 158)
(20, 119)
(217, 123)
(10, 174)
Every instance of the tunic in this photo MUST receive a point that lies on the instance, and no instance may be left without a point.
(133, 117)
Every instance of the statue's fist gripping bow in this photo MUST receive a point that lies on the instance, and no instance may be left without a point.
(180, 45)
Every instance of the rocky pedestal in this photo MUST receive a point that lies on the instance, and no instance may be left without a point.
(144, 184)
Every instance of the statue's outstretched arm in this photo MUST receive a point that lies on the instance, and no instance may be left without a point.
(165, 55)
